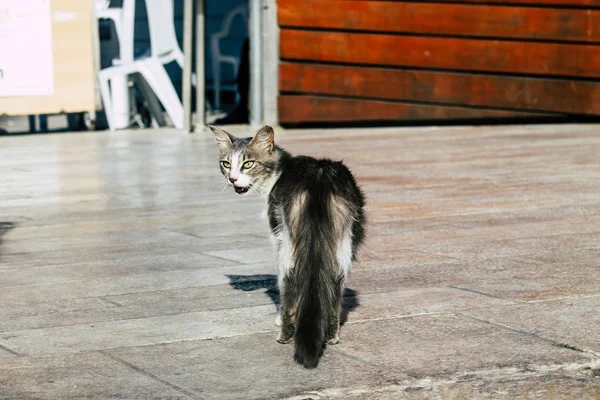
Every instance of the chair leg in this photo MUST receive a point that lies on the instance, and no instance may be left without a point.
(158, 79)
(107, 100)
(150, 96)
(217, 85)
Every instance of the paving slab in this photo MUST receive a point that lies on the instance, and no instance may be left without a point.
(106, 268)
(544, 245)
(570, 382)
(263, 253)
(140, 331)
(125, 254)
(78, 376)
(572, 322)
(406, 302)
(142, 305)
(115, 285)
(248, 367)
(538, 289)
(27, 306)
(437, 345)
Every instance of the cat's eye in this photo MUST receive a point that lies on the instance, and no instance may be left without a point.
(248, 164)
(226, 164)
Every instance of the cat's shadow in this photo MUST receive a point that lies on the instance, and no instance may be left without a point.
(268, 282)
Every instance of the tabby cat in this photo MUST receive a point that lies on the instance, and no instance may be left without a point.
(316, 216)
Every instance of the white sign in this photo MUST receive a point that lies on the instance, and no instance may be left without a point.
(26, 61)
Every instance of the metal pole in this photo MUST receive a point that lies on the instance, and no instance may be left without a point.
(270, 62)
(255, 64)
(200, 84)
(186, 90)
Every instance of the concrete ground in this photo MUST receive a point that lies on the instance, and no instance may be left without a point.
(127, 272)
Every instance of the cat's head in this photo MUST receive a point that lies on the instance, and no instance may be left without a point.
(248, 164)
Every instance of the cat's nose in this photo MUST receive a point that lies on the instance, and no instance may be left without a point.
(232, 180)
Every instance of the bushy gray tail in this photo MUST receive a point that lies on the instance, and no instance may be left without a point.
(317, 276)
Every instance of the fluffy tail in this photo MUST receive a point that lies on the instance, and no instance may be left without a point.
(317, 275)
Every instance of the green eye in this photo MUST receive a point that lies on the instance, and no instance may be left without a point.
(248, 164)
(226, 164)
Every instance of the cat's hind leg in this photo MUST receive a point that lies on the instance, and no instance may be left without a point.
(333, 324)
(287, 290)
(287, 313)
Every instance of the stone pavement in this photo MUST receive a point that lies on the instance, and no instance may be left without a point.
(127, 272)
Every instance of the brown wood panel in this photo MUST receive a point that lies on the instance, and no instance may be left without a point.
(526, 3)
(559, 3)
(304, 108)
(444, 19)
(442, 87)
(443, 53)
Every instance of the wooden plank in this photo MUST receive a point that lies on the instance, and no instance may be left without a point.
(558, 3)
(443, 19)
(510, 92)
(303, 108)
(442, 53)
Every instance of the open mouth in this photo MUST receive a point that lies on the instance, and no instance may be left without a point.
(242, 190)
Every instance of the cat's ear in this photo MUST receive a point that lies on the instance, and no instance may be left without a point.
(224, 139)
(264, 140)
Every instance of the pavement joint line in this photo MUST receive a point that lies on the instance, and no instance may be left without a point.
(266, 303)
(436, 255)
(14, 353)
(120, 275)
(576, 297)
(550, 340)
(240, 264)
(109, 301)
(48, 313)
(484, 294)
(181, 233)
(148, 374)
(134, 318)
(362, 321)
(183, 341)
(401, 265)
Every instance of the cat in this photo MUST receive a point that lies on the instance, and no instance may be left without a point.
(316, 215)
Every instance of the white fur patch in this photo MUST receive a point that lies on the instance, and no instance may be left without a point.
(344, 251)
(236, 164)
(267, 186)
(285, 252)
(284, 259)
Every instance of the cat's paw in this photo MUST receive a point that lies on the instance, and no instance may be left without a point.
(333, 341)
(283, 340)
(278, 320)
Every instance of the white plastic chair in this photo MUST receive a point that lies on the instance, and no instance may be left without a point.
(123, 23)
(164, 50)
(218, 58)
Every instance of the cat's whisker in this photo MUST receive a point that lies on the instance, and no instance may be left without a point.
(222, 190)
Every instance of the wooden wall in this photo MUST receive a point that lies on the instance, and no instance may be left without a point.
(370, 60)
